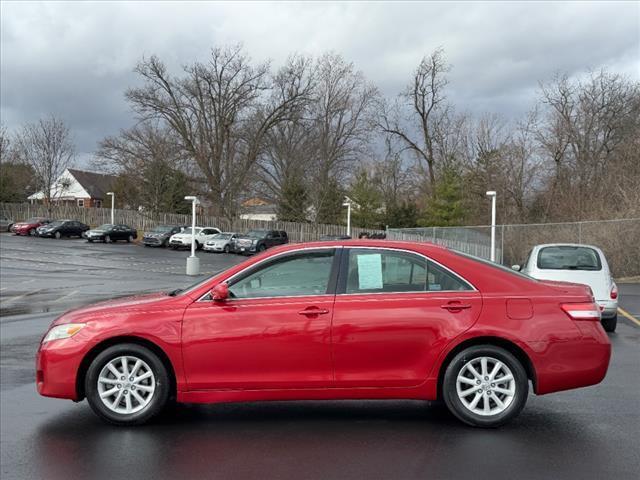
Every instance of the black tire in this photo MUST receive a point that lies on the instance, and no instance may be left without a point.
(198, 246)
(262, 248)
(130, 239)
(610, 324)
(58, 235)
(455, 405)
(32, 232)
(226, 249)
(89, 240)
(107, 239)
(160, 394)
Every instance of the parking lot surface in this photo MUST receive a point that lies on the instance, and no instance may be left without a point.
(590, 433)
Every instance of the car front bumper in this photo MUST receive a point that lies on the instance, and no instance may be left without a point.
(152, 241)
(57, 366)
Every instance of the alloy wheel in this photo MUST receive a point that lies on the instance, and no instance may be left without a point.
(126, 384)
(485, 386)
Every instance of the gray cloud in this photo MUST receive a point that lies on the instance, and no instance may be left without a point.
(76, 59)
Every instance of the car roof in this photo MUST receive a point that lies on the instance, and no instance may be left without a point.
(544, 245)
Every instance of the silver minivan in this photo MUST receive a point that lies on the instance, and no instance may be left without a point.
(571, 262)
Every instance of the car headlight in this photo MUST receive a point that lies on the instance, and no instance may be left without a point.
(63, 331)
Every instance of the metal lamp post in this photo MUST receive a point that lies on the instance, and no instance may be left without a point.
(492, 194)
(113, 198)
(193, 262)
(348, 205)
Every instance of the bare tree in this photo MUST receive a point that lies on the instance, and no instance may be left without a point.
(419, 117)
(46, 146)
(151, 158)
(221, 111)
(340, 125)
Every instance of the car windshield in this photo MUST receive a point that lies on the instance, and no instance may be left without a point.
(256, 233)
(222, 236)
(33, 220)
(162, 229)
(568, 257)
(106, 226)
(57, 223)
(187, 230)
(495, 265)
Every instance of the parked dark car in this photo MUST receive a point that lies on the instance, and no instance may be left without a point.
(259, 240)
(108, 233)
(160, 235)
(62, 228)
(5, 224)
(28, 227)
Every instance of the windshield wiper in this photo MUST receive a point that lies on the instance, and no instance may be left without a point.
(173, 293)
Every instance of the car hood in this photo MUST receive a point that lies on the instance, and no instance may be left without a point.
(111, 307)
(183, 236)
(156, 234)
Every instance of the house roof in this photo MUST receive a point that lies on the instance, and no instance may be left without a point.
(96, 184)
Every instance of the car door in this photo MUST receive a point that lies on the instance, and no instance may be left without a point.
(273, 331)
(394, 313)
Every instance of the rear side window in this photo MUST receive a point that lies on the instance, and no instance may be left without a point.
(385, 271)
(567, 257)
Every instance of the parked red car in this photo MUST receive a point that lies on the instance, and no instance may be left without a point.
(354, 319)
(29, 227)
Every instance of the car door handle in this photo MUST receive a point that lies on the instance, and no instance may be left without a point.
(453, 306)
(313, 311)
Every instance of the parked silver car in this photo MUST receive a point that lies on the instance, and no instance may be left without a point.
(585, 264)
(220, 242)
(5, 224)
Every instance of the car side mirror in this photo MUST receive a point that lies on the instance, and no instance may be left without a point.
(517, 268)
(220, 292)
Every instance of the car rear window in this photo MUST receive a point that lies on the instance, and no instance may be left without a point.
(567, 257)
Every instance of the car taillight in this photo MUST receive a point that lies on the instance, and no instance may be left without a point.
(614, 292)
(582, 311)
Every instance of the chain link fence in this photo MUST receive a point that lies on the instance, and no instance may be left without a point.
(619, 240)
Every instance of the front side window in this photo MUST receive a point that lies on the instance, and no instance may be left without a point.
(295, 275)
(385, 271)
(569, 257)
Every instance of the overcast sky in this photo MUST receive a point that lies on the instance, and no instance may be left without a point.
(76, 59)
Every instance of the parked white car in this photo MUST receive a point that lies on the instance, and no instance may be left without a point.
(183, 239)
(570, 262)
(220, 242)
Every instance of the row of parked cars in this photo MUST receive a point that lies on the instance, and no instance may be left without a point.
(209, 239)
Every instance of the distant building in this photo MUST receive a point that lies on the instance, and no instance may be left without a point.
(258, 209)
(78, 187)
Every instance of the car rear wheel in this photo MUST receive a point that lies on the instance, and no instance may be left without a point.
(130, 238)
(485, 386)
(32, 232)
(107, 239)
(127, 384)
(58, 235)
(610, 324)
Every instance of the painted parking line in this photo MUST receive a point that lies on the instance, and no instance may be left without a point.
(626, 314)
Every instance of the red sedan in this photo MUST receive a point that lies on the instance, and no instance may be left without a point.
(355, 319)
(29, 227)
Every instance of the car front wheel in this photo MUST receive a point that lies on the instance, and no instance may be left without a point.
(32, 232)
(485, 386)
(127, 384)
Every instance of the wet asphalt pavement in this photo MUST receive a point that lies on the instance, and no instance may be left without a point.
(587, 433)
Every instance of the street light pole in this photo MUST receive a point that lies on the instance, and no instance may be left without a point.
(193, 262)
(492, 194)
(348, 205)
(113, 198)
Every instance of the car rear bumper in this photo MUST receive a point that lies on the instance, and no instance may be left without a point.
(57, 365)
(574, 363)
(608, 308)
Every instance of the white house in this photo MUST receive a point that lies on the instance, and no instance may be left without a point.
(78, 187)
